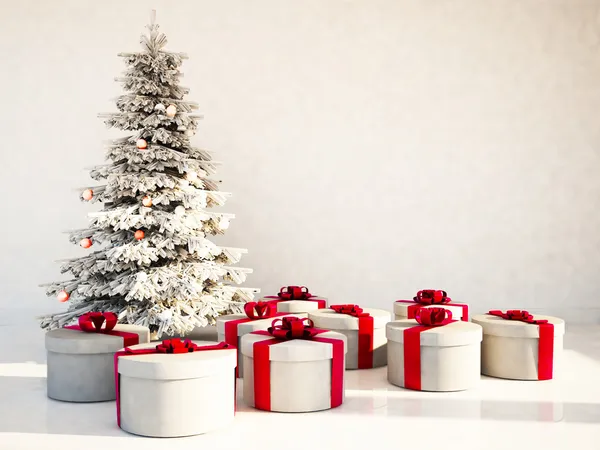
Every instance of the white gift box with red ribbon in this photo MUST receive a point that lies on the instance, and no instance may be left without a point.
(520, 346)
(293, 374)
(296, 299)
(364, 329)
(434, 353)
(429, 298)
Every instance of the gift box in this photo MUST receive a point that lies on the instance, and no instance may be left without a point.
(258, 316)
(406, 309)
(175, 388)
(519, 346)
(433, 352)
(293, 367)
(296, 299)
(80, 357)
(364, 330)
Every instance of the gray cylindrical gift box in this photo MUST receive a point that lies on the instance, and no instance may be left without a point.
(174, 395)
(81, 365)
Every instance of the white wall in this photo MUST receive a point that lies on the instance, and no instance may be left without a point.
(373, 147)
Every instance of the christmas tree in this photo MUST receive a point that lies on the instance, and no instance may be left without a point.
(150, 260)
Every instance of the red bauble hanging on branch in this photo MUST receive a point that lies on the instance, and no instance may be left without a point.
(87, 195)
(86, 243)
(139, 235)
(141, 144)
(62, 296)
(147, 201)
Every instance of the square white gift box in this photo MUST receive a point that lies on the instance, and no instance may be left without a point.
(296, 299)
(259, 316)
(80, 363)
(364, 330)
(444, 357)
(429, 298)
(164, 394)
(297, 373)
(519, 346)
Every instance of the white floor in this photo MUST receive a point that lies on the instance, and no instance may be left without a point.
(500, 414)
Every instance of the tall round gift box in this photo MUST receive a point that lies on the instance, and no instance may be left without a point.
(429, 298)
(522, 347)
(286, 374)
(296, 299)
(162, 394)
(434, 358)
(80, 363)
(364, 329)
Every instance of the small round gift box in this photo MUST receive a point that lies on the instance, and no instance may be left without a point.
(258, 316)
(364, 329)
(293, 367)
(433, 352)
(175, 388)
(296, 299)
(80, 357)
(519, 346)
(429, 298)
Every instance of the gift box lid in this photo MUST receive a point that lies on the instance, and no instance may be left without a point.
(453, 334)
(497, 326)
(401, 308)
(65, 340)
(297, 306)
(178, 366)
(294, 350)
(250, 325)
(328, 319)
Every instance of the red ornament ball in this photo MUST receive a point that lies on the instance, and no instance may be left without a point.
(147, 201)
(139, 235)
(87, 195)
(141, 144)
(62, 296)
(86, 243)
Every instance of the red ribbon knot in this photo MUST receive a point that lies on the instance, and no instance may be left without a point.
(517, 314)
(433, 317)
(260, 310)
(176, 345)
(431, 297)
(292, 328)
(294, 293)
(92, 322)
(351, 310)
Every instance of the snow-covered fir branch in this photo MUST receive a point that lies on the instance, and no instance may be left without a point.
(123, 149)
(148, 104)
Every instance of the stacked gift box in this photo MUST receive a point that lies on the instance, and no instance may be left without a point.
(292, 351)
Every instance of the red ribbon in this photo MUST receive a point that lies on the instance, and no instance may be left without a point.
(262, 358)
(365, 333)
(433, 297)
(545, 343)
(171, 346)
(254, 311)
(92, 323)
(427, 318)
(288, 293)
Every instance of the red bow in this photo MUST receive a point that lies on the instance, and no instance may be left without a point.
(292, 328)
(259, 310)
(351, 310)
(176, 345)
(92, 322)
(433, 317)
(431, 297)
(517, 314)
(294, 293)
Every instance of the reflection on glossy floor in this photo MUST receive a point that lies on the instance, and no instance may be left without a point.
(500, 414)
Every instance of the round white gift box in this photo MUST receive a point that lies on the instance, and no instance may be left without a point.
(401, 309)
(81, 365)
(247, 326)
(449, 355)
(301, 372)
(328, 319)
(172, 395)
(510, 348)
